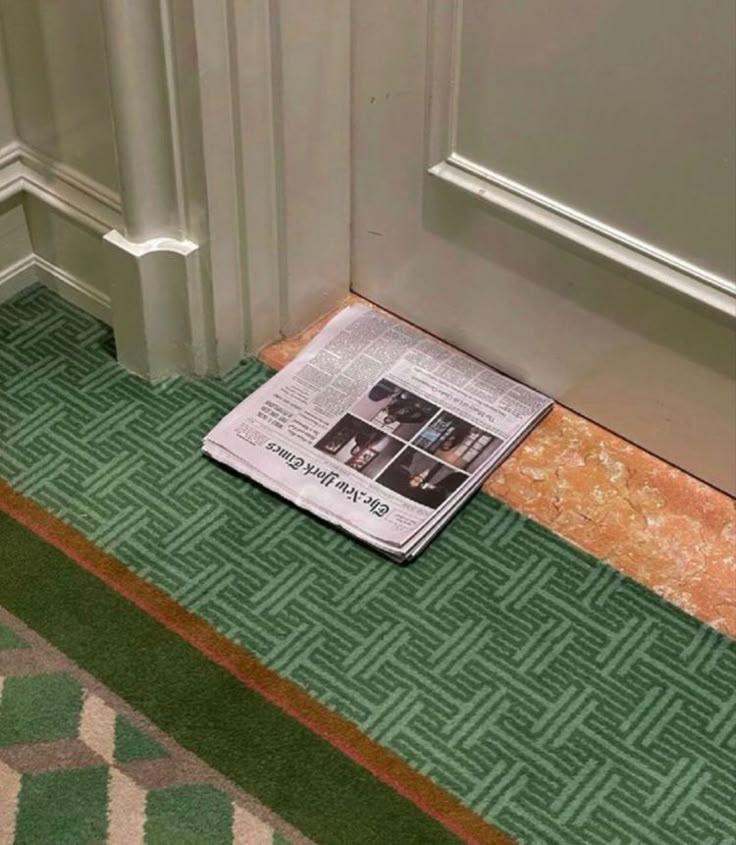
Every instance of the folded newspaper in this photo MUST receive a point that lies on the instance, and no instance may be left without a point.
(379, 429)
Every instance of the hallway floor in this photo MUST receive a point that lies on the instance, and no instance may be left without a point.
(653, 522)
(507, 683)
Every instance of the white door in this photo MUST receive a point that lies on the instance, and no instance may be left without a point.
(551, 186)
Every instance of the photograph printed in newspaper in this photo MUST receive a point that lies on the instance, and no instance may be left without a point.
(377, 428)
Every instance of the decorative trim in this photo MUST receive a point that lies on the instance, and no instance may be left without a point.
(218, 97)
(255, 53)
(139, 100)
(168, 35)
(576, 228)
(75, 206)
(239, 88)
(9, 154)
(190, 178)
(163, 319)
(138, 250)
(152, 286)
(64, 188)
(444, 24)
(500, 192)
(53, 171)
(274, 94)
(12, 179)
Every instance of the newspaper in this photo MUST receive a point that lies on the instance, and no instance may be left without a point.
(377, 428)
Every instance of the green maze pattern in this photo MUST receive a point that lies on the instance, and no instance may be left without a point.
(558, 699)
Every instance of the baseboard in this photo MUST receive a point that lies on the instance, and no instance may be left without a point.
(33, 268)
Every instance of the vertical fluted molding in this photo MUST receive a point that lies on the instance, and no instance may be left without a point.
(139, 99)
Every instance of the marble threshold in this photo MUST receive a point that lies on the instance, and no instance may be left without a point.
(648, 519)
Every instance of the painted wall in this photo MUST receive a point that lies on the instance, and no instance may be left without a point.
(15, 244)
(7, 124)
(65, 244)
(59, 89)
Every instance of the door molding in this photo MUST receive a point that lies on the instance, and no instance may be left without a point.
(512, 197)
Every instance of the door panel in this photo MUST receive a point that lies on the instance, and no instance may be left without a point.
(639, 339)
(623, 113)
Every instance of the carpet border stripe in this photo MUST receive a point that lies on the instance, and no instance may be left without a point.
(246, 668)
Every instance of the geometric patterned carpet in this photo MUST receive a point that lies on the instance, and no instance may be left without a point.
(272, 749)
(557, 699)
(74, 769)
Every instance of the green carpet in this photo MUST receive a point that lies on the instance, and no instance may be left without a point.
(73, 769)
(196, 702)
(556, 698)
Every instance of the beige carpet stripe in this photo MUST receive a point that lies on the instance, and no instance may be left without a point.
(37, 757)
(10, 783)
(97, 727)
(126, 810)
(176, 770)
(250, 830)
(25, 661)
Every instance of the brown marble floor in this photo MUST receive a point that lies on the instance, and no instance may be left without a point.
(653, 522)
